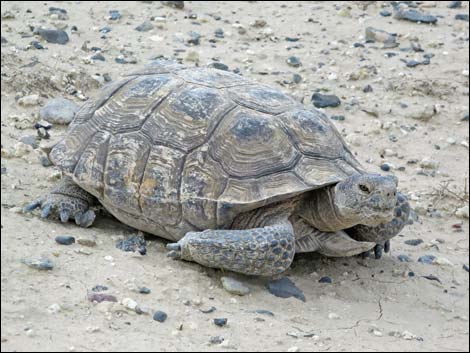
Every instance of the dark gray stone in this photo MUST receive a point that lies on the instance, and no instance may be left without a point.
(220, 322)
(285, 288)
(427, 259)
(404, 258)
(413, 16)
(293, 61)
(414, 242)
(160, 316)
(145, 26)
(325, 100)
(325, 279)
(54, 36)
(65, 239)
(59, 111)
(134, 243)
(462, 17)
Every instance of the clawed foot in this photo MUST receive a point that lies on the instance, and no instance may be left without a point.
(378, 250)
(174, 250)
(63, 207)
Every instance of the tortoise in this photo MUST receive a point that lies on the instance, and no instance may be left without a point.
(236, 174)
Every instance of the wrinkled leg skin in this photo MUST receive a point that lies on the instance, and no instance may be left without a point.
(382, 234)
(259, 251)
(66, 201)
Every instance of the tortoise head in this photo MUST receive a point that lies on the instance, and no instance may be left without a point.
(367, 199)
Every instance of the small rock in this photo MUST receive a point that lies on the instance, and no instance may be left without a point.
(59, 111)
(442, 261)
(194, 38)
(432, 278)
(216, 340)
(465, 267)
(264, 312)
(454, 4)
(114, 15)
(293, 349)
(109, 258)
(209, 310)
(144, 290)
(462, 17)
(293, 61)
(338, 117)
(99, 288)
(377, 35)
(403, 13)
(233, 286)
(101, 297)
(463, 212)
(65, 239)
(39, 264)
(427, 259)
(218, 66)
(29, 101)
(86, 242)
(385, 13)
(54, 308)
(130, 304)
(285, 288)
(220, 322)
(429, 163)
(160, 316)
(385, 167)
(404, 258)
(324, 101)
(175, 4)
(145, 26)
(192, 56)
(30, 140)
(333, 316)
(325, 279)
(219, 33)
(414, 242)
(367, 89)
(98, 56)
(54, 36)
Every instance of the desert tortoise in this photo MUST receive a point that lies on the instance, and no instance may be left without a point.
(239, 175)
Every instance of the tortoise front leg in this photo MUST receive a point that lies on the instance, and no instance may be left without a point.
(66, 201)
(258, 251)
(382, 234)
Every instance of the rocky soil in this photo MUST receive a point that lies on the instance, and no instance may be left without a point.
(396, 89)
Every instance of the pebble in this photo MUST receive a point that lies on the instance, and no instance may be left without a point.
(175, 4)
(218, 66)
(325, 279)
(432, 278)
(132, 244)
(333, 316)
(99, 288)
(109, 258)
(264, 312)
(220, 322)
(404, 258)
(463, 212)
(293, 349)
(145, 26)
(101, 297)
(412, 15)
(324, 101)
(37, 45)
(293, 61)
(285, 288)
(30, 140)
(59, 111)
(385, 13)
(98, 56)
(216, 340)
(219, 33)
(414, 242)
(429, 163)
(367, 89)
(377, 35)
(465, 267)
(454, 4)
(427, 259)
(442, 261)
(65, 239)
(114, 15)
(54, 308)
(385, 167)
(194, 38)
(86, 242)
(208, 311)
(338, 117)
(29, 101)
(54, 36)
(462, 17)
(233, 286)
(130, 304)
(144, 290)
(39, 264)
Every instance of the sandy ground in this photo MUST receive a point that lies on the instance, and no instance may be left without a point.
(370, 305)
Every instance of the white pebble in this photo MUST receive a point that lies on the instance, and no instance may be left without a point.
(333, 316)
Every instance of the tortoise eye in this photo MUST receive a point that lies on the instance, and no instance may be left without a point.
(364, 188)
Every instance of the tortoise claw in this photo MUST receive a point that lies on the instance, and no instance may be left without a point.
(378, 249)
(33, 205)
(64, 216)
(46, 209)
(387, 246)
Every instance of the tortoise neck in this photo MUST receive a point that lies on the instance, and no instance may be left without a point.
(319, 209)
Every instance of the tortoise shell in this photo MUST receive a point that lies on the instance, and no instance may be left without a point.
(170, 149)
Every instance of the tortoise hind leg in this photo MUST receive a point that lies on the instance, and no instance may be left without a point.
(66, 201)
(258, 251)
